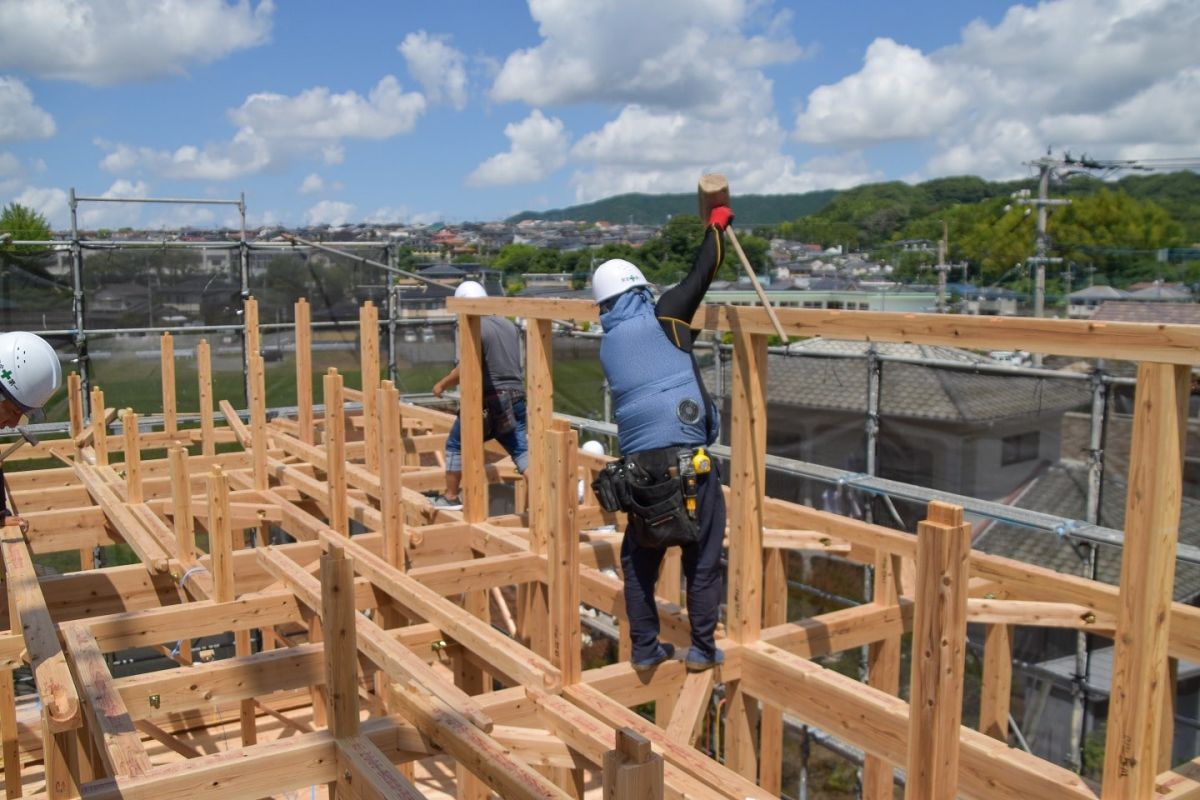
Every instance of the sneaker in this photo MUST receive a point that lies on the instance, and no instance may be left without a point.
(443, 502)
(665, 650)
(697, 661)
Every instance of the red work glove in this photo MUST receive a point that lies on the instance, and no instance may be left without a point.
(720, 216)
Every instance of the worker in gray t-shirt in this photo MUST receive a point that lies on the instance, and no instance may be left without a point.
(503, 397)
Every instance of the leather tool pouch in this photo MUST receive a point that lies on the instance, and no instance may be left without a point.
(498, 415)
(657, 511)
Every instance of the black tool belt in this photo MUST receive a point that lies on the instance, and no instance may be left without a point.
(647, 486)
(498, 415)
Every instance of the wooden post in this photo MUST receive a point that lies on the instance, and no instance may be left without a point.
(996, 694)
(341, 645)
(258, 422)
(1152, 507)
(391, 476)
(335, 452)
(633, 771)
(8, 735)
(368, 345)
(220, 537)
(133, 457)
(775, 597)
(100, 428)
(533, 601)
(939, 650)
(185, 532)
(883, 671)
(563, 558)
(75, 404)
(470, 365)
(747, 488)
(253, 339)
(304, 390)
(208, 445)
(472, 680)
(670, 575)
(167, 354)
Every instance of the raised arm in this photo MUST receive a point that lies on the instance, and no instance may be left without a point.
(679, 303)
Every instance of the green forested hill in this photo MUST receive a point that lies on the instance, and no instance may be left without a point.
(656, 209)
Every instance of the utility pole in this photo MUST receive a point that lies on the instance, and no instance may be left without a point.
(1045, 165)
(942, 268)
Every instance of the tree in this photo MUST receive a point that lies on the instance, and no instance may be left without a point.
(24, 223)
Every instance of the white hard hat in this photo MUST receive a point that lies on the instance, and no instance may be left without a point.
(615, 277)
(592, 446)
(29, 370)
(470, 289)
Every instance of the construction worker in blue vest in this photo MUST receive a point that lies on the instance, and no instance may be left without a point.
(665, 420)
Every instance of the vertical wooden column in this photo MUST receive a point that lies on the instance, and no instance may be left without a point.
(335, 452)
(633, 771)
(185, 531)
(208, 444)
(883, 671)
(563, 557)
(75, 403)
(368, 346)
(304, 388)
(220, 547)
(253, 338)
(775, 597)
(747, 488)
(258, 422)
(533, 600)
(939, 651)
(472, 680)
(670, 575)
(133, 457)
(167, 355)
(341, 645)
(1152, 505)
(470, 369)
(99, 428)
(8, 735)
(391, 475)
(996, 694)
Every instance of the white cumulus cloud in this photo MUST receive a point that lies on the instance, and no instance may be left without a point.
(537, 147)
(275, 129)
(105, 42)
(1117, 78)
(312, 183)
(330, 212)
(50, 202)
(20, 117)
(439, 68)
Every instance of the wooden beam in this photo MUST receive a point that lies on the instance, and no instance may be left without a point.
(204, 377)
(118, 741)
(563, 558)
(341, 648)
(335, 452)
(836, 703)
(996, 692)
(368, 346)
(398, 661)
(632, 771)
(167, 356)
(304, 389)
(690, 707)
(939, 650)
(770, 723)
(470, 365)
(1152, 509)
(415, 600)
(365, 773)
(133, 457)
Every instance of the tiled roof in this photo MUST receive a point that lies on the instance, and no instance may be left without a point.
(911, 390)
(1062, 491)
(1147, 311)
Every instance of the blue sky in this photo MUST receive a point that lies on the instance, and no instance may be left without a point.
(386, 111)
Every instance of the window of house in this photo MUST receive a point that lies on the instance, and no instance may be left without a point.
(834, 304)
(1019, 447)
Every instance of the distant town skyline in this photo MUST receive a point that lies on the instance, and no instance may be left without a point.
(382, 112)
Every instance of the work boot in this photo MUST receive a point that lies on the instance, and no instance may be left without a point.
(698, 661)
(665, 650)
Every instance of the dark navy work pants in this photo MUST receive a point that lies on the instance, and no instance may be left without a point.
(701, 567)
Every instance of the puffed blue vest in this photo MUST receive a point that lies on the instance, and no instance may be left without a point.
(656, 399)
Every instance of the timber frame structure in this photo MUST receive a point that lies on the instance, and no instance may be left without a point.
(342, 688)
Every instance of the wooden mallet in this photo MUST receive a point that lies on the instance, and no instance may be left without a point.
(713, 192)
